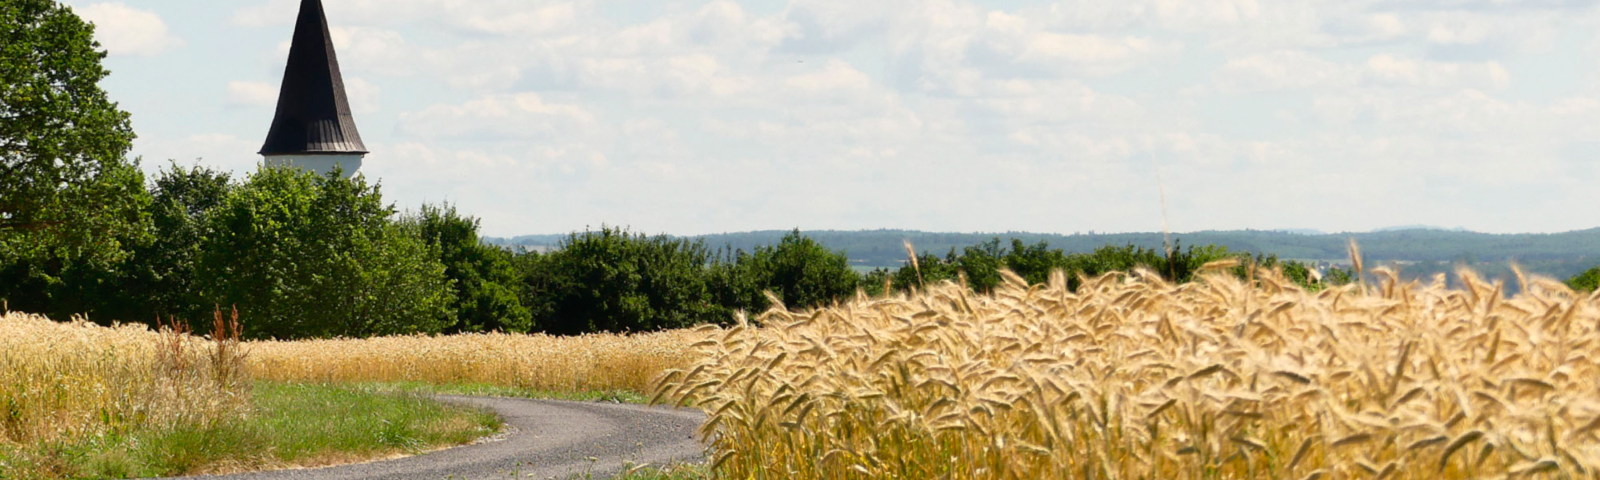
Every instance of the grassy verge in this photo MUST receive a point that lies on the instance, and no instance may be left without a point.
(289, 425)
(491, 390)
(674, 472)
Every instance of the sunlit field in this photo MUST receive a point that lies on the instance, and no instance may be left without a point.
(1129, 377)
(589, 363)
(62, 380)
(1132, 377)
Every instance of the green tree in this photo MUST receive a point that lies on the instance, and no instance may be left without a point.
(615, 281)
(161, 272)
(798, 270)
(482, 276)
(928, 270)
(303, 255)
(1586, 281)
(66, 188)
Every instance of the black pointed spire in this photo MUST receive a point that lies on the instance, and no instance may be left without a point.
(313, 112)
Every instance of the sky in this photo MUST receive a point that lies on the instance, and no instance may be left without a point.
(693, 117)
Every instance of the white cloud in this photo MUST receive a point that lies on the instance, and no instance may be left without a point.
(222, 151)
(252, 94)
(1283, 70)
(365, 97)
(837, 75)
(1301, 70)
(1386, 69)
(274, 12)
(540, 20)
(495, 117)
(125, 30)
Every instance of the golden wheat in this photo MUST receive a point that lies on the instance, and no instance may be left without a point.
(63, 380)
(601, 362)
(1133, 377)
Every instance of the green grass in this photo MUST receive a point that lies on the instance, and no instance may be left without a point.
(674, 472)
(291, 425)
(487, 390)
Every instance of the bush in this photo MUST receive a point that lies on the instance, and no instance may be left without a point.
(981, 264)
(798, 270)
(303, 255)
(615, 281)
(162, 271)
(928, 270)
(1586, 281)
(483, 278)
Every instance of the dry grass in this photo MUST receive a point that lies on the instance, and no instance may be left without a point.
(1132, 377)
(66, 380)
(531, 362)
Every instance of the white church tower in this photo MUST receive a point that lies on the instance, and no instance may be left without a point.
(313, 128)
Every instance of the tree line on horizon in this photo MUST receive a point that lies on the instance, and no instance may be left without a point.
(1423, 252)
(302, 255)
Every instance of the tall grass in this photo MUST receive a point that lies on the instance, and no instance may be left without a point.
(1132, 377)
(601, 362)
(64, 380)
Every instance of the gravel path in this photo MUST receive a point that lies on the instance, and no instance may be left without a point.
(544, 439)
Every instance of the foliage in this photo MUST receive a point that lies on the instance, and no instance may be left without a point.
(979, 266)
(612, 280)
(161, 272)
(1587, 281)
(483, 277)
(67, 190)
(928, 269)
(1560, 254)
(303, 255)
(798, 271)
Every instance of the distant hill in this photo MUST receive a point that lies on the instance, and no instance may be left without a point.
(1421, 250)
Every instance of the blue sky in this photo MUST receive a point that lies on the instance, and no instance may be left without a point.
(691, 117)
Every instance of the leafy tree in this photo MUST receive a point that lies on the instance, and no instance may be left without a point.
(615, 281)
(798, 270)
(1034, 262)
(982, 263)
(929, 269)
(66, 190)
(1586, 281)
(159, 276)
(877, 282)
(482, 276)
(303, 255)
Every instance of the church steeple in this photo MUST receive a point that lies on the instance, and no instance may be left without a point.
(313, 127)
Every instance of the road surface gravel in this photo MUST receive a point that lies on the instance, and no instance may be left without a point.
(543, 439)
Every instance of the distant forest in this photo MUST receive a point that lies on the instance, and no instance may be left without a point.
(1417, 253)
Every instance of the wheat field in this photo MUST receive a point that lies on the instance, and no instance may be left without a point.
(66, 380)
(1128, 377)
(600, 362)
(1134, 378)
(70, 380)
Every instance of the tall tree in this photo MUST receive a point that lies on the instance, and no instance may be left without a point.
(303, 255)
(161, 271)
(484, 278)
(612, 280)
(65, 184)
(798, 270)
(1586, 281)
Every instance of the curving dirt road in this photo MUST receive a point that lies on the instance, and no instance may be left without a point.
(545, 439)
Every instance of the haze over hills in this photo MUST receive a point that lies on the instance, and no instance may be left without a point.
(1419, 251)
